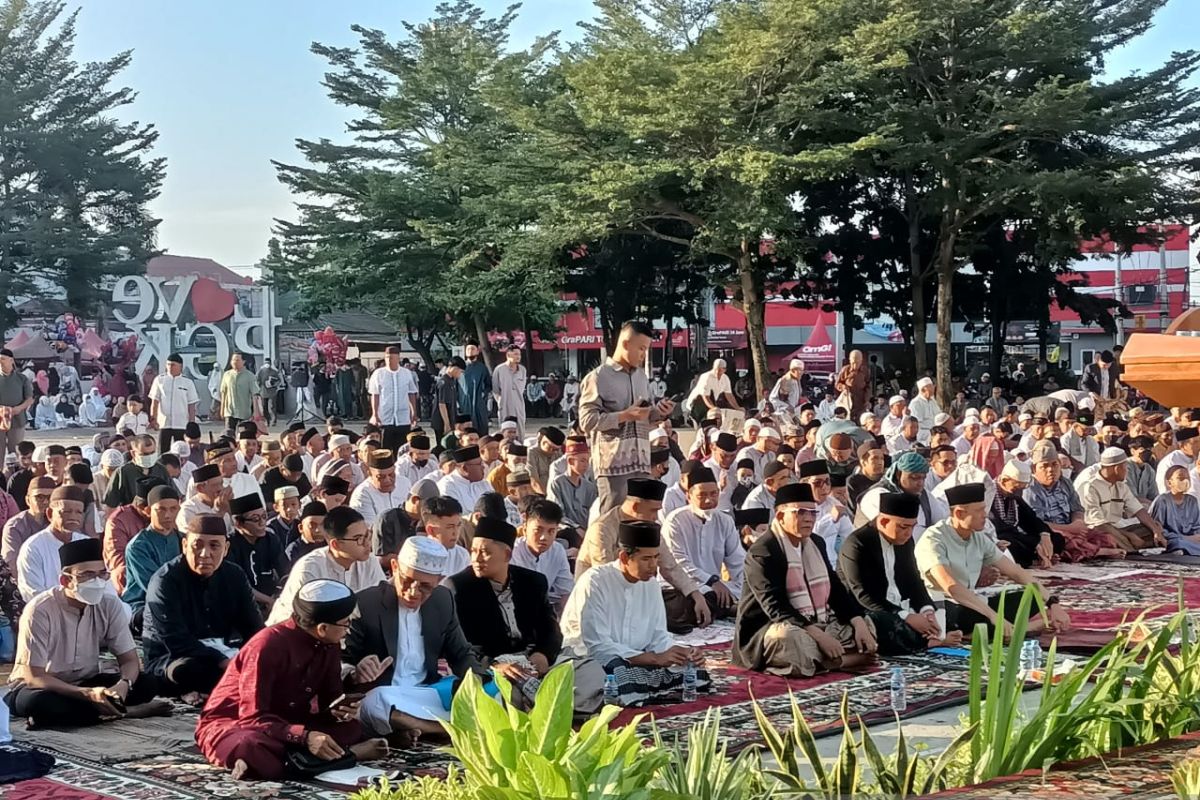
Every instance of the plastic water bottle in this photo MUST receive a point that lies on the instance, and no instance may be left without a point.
(689, 683)
(612, 693)
(1032, 656)
(899, 691)
(1026, 666)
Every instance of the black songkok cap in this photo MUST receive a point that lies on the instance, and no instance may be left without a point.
(308, 434)
(646, 489)
(726, 441)
(900, 504)
(659, 455)
(314, 508)
(751, 516)
(639, 533)
(381, 459)
(419, 443)
(79, 551)
(293, 462)
(810, 469)
(332, 484)
(515, 449)
(964, 493)
(192, 430)
(245, 504)
(794, 493)
(205, 473)
(464, 454)
(497, 530)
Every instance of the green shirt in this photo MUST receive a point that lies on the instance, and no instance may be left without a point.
(964, 558)
(15, 389)
(237, 393)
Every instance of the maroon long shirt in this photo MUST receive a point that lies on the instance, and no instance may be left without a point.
(280, 684)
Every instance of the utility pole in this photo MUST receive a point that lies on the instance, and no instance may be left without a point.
(1119, 292)
(1164, 300)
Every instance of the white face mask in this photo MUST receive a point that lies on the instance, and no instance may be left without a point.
(146, 462)
(93, 591)
(1066, 473)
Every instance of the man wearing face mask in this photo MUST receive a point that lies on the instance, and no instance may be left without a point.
(56, 679)
(415, 463)
(38, 566)
(705, 543)
(123, 487)
(466, 483)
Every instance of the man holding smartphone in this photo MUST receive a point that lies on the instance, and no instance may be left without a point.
(616, 413)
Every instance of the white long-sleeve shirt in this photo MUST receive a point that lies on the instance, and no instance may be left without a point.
(320, 564)
(406, 468)
(759, 497)
(38, 566)
(371, 503)
(890, 426)
(675, 497)
(553, 564)
(702, 545)
(464, 491)
(925, 409)
(609, 617)
(759, 457)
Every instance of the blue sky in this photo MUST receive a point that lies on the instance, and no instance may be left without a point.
(231, 85)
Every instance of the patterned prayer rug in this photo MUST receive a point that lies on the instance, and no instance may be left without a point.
(1141, 772)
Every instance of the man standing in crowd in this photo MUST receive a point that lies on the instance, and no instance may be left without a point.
(16, 396)
(394, 399)
(173, 403)
(271, 384)
(445, 398)
(508, 386)
(615, 412)
(475, 384)
(241, 398)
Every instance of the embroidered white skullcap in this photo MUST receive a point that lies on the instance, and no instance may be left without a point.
(658, 434)
(112, 458)
(508, 425)
(422, 554)
(1113, 456)
(181, 449)
(971, 412)
(865, 417)
(926, 381)
(39, 454)
(1017, 471)
(338, 440)
(769, 433)
(1024, 415)
(752, 423)
(969, 421)
(895, 399)
(941, 419)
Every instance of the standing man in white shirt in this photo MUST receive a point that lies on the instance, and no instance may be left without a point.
(394, 397)
(924, 407)
(173, 403)
(508, 386)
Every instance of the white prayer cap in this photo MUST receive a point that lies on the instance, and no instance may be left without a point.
(752, 423)
(508, 425)
(769, 433)
(719, 363)
(941, 419)
(926, 381)
(324, 590)
(789, 430)
(1062, 412)
(972, 422)
(895, 399)
(1112, 456)
(1024, 415)
(971, 412)
(112, 458)
(181, 449)
(338, 440)
(422, 554)
(1017, 471)
(39, 454)
(865, 417)
(796, 363)
(658, 434)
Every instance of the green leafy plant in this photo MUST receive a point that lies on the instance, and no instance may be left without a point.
(418, 788)
(510, 755)
(701, 769)
(906, 773)
(1185, 778)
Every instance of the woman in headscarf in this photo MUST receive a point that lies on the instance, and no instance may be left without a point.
(92, 411)
(906, 474)
(987, 451)
(45, 418)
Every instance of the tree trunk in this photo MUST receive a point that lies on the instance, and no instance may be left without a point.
(423, 344)
(916, 273)
(945, 319)
(485, 344)
(847, 337)
(997, 319)
(756, 327)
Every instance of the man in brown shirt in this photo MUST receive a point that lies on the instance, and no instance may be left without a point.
(56, 679)
(643, 501)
